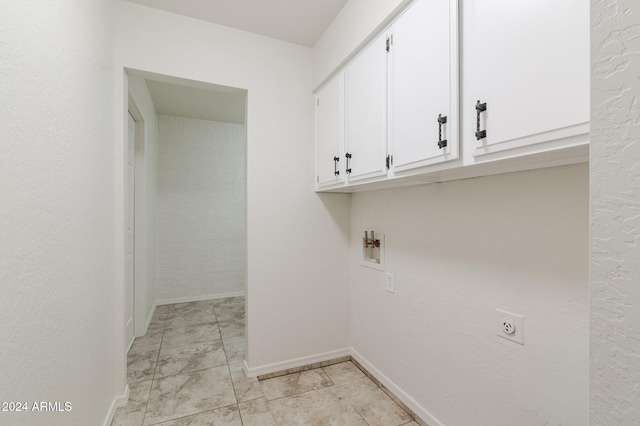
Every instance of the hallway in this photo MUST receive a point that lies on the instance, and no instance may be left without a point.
(188, 370)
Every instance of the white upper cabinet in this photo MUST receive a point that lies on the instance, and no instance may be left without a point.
(453, 89)
(366, 113)
(529, 63)
(329, 134)
(423, 85)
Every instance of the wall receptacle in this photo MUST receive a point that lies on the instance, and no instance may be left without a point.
(510, 326)
(390, 282)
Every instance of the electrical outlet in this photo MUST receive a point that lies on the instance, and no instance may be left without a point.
(390, 282)
(510, 326)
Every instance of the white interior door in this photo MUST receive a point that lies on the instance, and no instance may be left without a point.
(129, 279)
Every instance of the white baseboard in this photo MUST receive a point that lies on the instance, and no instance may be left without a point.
(396, 390)
(199, 298)
(118, 401)
(294, 363)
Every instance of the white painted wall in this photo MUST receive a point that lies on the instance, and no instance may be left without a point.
(148, 154)
(357, 20)
(615, 218)
(202, 209)
(459, 250)
(297, 241)
(57, 209)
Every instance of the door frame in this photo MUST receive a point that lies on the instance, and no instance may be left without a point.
(139, 310)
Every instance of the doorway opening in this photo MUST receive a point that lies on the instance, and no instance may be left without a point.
(189, 209)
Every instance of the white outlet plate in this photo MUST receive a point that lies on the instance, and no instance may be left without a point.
(517, 320)
(390, 282)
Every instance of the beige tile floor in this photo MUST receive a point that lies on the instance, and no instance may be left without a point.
(187, 370)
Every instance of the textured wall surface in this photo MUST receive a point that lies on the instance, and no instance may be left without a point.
(297, 241)
(56, 209)
(202, 228)
(615, 212)
(459, 250)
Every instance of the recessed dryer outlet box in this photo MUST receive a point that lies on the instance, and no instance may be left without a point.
(373, 250)
(510, 326)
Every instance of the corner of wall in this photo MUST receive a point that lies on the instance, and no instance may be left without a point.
(615, 222)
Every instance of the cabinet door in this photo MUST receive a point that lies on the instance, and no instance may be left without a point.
(529, 61)
(423, 85)
(366, 113)
(329, 133)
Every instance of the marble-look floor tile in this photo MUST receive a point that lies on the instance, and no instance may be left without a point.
(163, 309)
(158, 323)
(191, 308)
(158, 318)
(343, 373)
(230, 313)
(181, 335)
(133, 413)
(372, 403)
(225, 416)
(149, 342)
(256, 413)
(315, 408)
(187, 307)
(234, 349)
(246, 389)
(232, 328)
(160, 315)
(295, 383)
(229, 308)
(197, 317)
(140, 367)
(228, 301)
(156, 327)
(191, 393)
(183, 359)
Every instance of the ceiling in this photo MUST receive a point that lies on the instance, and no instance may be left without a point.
(213, 103)
(296, 21)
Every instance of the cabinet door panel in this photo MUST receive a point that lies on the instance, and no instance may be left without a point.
(529, 61)
(420, 89)
(366, 112)
(329, 133)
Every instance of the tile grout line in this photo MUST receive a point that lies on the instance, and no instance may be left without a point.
(166, 323)
(361, 416)
(318, 366)
(412, 415)
(307, 367)
(153, 378)
(297, 394)
(189, 415)
(224, 349)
